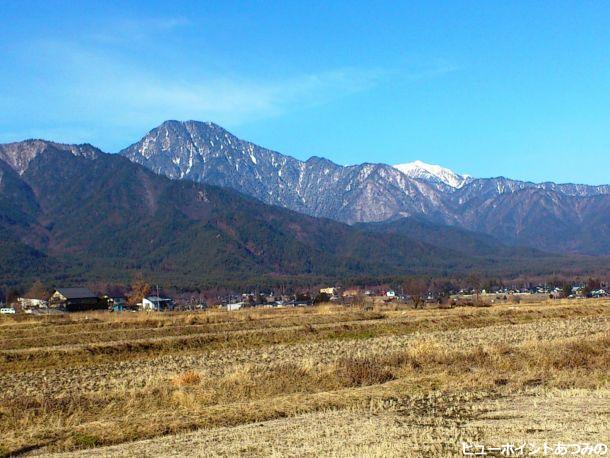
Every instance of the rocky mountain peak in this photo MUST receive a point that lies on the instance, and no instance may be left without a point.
(18, 155)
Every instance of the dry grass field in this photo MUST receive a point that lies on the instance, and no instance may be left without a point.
(320, 381)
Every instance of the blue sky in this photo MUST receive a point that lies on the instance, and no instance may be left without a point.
(520, 89)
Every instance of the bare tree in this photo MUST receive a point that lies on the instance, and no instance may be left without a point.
(474, 280)
(38, 291)
(417, 289)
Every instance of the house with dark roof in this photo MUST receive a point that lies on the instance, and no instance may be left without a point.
(75, 300)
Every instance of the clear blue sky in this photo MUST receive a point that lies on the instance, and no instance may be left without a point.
(520, 89)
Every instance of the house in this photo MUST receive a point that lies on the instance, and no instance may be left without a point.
(599, 293)
(76, 300)
(330, 291)
(391, 294)
(557, 293)
(30, 302)
(235, 306)
(157, 303)
(116, 303)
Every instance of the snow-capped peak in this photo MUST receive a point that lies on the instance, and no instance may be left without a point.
(431, 172)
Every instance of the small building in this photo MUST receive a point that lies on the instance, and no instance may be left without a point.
(116, 303)
(599, 293)
(31, 302)
(235, 306)
(75, 300)
(391, 294)
(330, 291)
(157, 303)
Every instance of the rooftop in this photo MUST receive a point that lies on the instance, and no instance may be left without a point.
(76, 293)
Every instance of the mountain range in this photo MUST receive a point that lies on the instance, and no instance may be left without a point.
(192, 206)
(71, 213)
(560, 218)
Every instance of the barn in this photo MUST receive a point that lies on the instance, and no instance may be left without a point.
(76, 300)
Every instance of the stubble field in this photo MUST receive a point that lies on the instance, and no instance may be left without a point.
(326, 380)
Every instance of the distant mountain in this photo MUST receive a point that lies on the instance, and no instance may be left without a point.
(545, 218)
(433, 173)
(548, 216)
(73, 213)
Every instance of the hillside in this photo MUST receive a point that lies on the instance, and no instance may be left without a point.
(101, 216)
(450, 237)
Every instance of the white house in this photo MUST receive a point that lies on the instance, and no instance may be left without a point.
(28, 302)
(599, 293)
(330, 291)
(235, 306)
(391, 293)
(157, 303)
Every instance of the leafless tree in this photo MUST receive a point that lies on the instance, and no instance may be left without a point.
(417, 289)
(38, 291)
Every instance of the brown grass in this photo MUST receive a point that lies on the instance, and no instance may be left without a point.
(426, 425)
(290, 328)
(286, 365)
(187, 378)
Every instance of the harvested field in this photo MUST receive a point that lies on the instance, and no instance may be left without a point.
(305, 382)
(538, 415)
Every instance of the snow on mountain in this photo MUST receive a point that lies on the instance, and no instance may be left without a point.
(431, 172)
(205, 152)
(18, 155)
(548, 216)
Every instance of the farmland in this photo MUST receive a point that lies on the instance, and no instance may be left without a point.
(324, 380)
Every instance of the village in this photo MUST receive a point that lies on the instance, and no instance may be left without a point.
(416, 293)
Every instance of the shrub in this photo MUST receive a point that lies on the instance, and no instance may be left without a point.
(363, 372)
(86, 440)
(187, 378)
